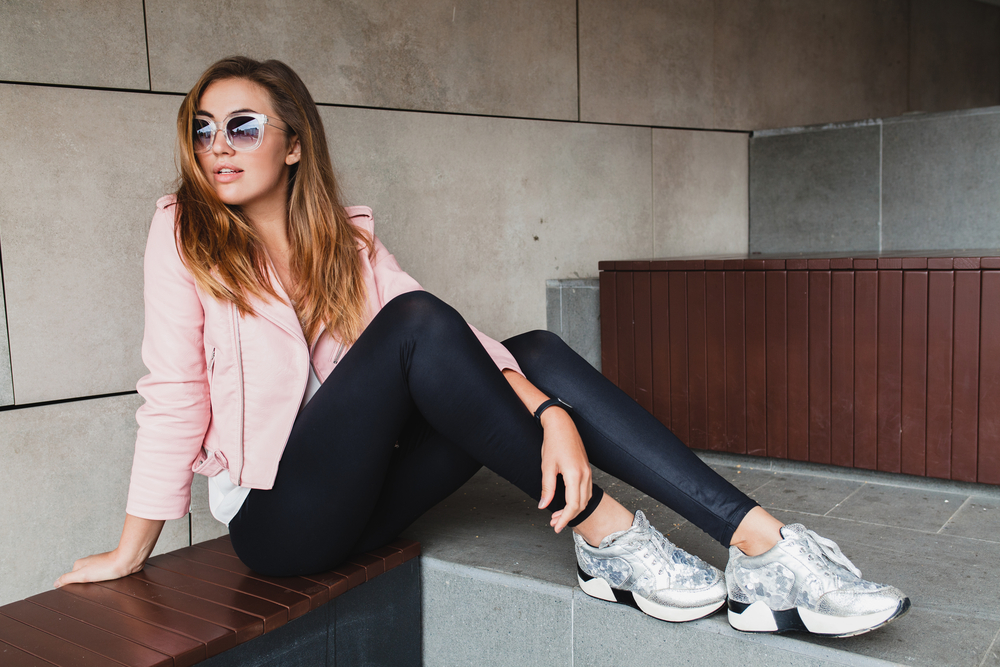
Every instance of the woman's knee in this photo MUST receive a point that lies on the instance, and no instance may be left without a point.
(422, 311)
(534, 346)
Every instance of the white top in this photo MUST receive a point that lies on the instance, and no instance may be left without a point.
(225, 498)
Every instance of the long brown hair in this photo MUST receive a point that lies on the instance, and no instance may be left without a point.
(221, 247)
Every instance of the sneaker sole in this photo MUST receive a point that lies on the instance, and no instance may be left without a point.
(758, 617)
(598, 588)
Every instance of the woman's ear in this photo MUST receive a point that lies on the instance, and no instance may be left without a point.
(295, 154)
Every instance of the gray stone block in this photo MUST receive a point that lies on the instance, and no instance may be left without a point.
(74, 215)
(941, 182)
(6, 380)
(63, 485)
(74, 43)
(379, 622)
(573, 311)
(804, 494)
(815, 191)
(908, 508)
(302, 642)
(551, 201)
(476, 617)
(508, 58)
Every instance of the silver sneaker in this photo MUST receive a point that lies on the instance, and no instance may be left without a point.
(642, 568)
(806, 583)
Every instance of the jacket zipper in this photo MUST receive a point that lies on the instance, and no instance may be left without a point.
(336, 357)
(239, 371)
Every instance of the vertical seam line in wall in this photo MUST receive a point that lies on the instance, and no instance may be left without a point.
(6, 326)
(579, 115)
(880, 127)
(145, 34)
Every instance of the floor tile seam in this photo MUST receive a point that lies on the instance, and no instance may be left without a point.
(497, 577)
(849, 496)
(953, 515)
(990, 649)
(805, 469)
(885, 525)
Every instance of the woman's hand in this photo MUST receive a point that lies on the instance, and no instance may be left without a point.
(563, 454)
(137, 541)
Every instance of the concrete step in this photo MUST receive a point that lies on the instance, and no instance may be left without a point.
(499, 585)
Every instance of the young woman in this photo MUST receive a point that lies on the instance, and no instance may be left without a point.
(331, 401)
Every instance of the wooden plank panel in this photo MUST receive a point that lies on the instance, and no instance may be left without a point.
(865, 369)
(988, 466)
(965, 386)
(798, 365)
(756, 337)
(678, 355)
(185, 650)
(715, 341)
(697, 360)
(609, 328)
(776, 297)
(15, 657)
(86, 636)
(842, 368)
(890, 369)
(940, 347)
(659, 324)
(820, 358)
(626, 333)
(736, 382)
(45, 646)
(216, 638)
(643, 343)
(913, 439)
(391, 557)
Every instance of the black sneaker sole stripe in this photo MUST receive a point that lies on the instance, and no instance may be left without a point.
(789, 619)
(621, 597)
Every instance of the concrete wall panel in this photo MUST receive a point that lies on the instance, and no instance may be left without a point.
(647, 62)
(815, 191)
(954, 55)
(204, 526)
(63, 487)
(507, 57)
(941, 182)
(74, 42)
(700, 199)
(483, 210)
(74, 214)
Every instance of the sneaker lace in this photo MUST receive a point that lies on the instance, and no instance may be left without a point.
(833, 553)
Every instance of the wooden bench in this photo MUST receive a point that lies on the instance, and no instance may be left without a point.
(189, 605)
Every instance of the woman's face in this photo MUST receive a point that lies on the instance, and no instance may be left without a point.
(256, 180)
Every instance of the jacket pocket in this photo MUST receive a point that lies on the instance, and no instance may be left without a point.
(209, 463)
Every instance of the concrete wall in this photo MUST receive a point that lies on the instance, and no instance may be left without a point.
(512, 141)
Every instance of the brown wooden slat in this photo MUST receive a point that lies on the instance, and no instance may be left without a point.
(756, 350)
(866, 369)
(244, 625)
(913, 439)
(185, 650)
(736, 383)
(219, 545)
(215, 637)
(678, 355)
(659, 298)
(295, 603)
(410, 548)
(988, 465)
(965, 388)
(625, 319)
(820, 359)
(696, 360)
(798, 365)
(391, 557)
(842, 368)
(87, 636)
(347, 577)
(940, 263)
(940, 346)
(715, 344)
(776, 297)
(971, 263)
(609, 328)
(373, 566)
(890, 369)
(43, 645)
(643, 344)
(317, 593)
(15, 657)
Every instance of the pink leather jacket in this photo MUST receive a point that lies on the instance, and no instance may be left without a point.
(223, 390)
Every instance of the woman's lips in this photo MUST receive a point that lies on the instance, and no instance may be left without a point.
(227, 174)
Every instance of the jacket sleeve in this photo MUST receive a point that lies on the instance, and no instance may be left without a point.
(176, 414)
(391, 281)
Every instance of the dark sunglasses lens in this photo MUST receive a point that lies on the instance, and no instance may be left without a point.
(244, 132)
(202, 138)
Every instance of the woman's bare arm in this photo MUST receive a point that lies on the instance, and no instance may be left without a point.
(137, 541)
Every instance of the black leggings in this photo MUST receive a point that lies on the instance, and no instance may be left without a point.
(414, 409)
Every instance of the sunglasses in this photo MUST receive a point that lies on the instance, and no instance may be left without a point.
(244, 131)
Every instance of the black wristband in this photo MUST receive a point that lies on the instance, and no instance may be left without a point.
(558, 402)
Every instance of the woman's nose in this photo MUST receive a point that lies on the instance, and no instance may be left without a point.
(219, 144)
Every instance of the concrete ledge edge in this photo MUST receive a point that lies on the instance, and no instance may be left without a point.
(499, 578)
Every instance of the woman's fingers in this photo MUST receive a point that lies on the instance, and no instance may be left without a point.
(548, 485)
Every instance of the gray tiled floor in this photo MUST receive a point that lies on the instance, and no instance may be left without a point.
(938, 542)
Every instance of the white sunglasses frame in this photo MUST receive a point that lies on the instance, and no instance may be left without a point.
(220, 125)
